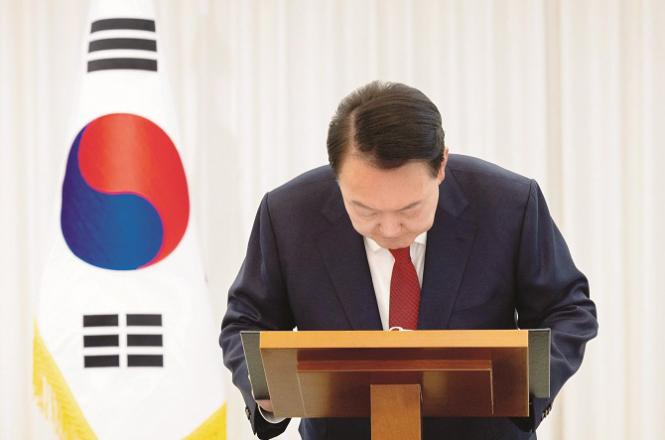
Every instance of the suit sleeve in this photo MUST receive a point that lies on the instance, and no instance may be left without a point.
(552, 293)
(257, 301)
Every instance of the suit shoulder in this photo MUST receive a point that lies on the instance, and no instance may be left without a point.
(478, 174)
(307, 189)
(487, 183)
(469, 167)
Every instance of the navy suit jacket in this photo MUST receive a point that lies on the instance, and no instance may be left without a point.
(494, 260)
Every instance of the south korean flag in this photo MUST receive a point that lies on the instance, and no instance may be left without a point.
(125, 344)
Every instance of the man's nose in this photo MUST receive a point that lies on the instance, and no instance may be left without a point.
(390, 228)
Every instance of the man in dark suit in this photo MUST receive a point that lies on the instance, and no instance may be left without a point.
(395, 232)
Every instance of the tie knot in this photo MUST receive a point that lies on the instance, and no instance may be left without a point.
(401, 254)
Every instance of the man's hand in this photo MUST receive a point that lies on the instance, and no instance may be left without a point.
(266, 405)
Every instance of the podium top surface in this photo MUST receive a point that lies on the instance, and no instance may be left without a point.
(394, 339)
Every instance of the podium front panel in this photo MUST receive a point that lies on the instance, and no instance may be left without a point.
(461, 373)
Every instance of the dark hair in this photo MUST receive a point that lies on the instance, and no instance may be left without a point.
(389, 123)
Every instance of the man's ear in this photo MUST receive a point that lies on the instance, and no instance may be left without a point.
(442, 170)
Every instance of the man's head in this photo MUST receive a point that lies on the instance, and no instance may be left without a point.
(386, 145)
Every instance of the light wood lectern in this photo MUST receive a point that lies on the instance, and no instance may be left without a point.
(397, 377)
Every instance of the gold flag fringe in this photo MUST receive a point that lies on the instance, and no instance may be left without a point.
(54, 397)
(214, 428)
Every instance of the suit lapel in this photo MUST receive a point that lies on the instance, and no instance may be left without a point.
(343, 252)
(449, 244)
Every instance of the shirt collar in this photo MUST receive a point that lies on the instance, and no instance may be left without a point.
(374, 246)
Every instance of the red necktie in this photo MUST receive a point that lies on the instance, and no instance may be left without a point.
(404, 291)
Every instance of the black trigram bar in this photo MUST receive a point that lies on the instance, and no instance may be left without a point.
(101, 341)
(123, 43)
(100, 320)
(137, 24)
(145, 360)
(122, 64)
(144, 319)
(144, 340)
(101, 361)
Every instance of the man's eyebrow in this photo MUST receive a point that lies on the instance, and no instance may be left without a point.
(362, 205)
(412, 205)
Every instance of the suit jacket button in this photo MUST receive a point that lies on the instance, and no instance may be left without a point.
(248, 413)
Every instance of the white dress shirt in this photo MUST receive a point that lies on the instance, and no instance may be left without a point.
(381, 263)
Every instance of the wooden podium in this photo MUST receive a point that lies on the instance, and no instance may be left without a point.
(397, 377)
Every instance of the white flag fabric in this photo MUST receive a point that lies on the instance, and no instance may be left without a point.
(125, 346)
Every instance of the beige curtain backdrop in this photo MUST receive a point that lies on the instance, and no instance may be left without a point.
(570, 92)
